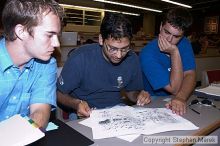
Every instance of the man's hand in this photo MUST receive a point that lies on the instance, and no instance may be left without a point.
(143, 98)
(177, 105)
(83, 109)
(40, 114)
(166, 46)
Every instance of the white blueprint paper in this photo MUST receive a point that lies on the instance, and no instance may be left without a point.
(129, 138)
(213, 89)
(124, 120)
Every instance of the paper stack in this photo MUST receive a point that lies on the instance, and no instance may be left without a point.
(127, 122)
(17, 131)
(212, 91)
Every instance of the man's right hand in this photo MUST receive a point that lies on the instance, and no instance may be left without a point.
(166, 46)
(83, 109)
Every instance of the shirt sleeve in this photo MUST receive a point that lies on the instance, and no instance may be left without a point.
(71, 73)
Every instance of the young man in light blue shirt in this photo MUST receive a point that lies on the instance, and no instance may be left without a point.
(27, 71)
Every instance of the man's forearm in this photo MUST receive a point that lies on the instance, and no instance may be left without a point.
(40, 114)
(188, 85)
(176, 75)
(132, 95)
(67, 100)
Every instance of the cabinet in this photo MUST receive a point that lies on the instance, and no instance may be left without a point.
(83, 17)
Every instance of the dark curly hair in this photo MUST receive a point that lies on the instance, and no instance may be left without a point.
(178, 18)
(115, 25)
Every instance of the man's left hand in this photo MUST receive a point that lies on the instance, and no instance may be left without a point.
(177, 105)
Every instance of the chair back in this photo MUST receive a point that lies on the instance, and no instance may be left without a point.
(213, 75)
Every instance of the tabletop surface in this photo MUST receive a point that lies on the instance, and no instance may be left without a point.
(63, 136)
(208, 115)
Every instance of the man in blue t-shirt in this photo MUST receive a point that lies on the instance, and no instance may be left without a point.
(94, 75)
(168, 62)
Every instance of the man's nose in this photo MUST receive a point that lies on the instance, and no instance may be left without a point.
(169, 38)
(119, 53)
(55, 41)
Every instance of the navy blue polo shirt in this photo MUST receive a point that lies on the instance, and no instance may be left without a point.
(86, 75)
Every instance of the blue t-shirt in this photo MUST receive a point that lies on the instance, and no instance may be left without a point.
(156, 65)
(35, 83)
(88, 76)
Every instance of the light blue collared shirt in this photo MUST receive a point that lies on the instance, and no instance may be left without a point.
(35, 83)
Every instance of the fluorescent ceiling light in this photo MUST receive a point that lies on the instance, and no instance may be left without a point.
(176, 3)
(97, 9)
(128, 5)
(126, 13)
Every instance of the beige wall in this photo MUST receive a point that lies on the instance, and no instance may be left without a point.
(206, 63)
(149, 23)
(81, 28)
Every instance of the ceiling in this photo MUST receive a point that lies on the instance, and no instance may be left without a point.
(197, 5)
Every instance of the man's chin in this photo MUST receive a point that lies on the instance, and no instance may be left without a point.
(115, 61)
(45, 58)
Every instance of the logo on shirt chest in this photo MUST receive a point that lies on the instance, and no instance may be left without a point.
(119, 82)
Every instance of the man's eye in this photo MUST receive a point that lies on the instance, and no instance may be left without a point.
(112, 48)
(124, 50)
(167, 32)
(177, 37)
(50, 36)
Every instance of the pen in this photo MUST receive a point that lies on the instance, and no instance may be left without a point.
(195, 111)
(215, 99)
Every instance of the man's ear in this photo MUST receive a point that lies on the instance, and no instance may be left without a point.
(20, 31)
(100, 40)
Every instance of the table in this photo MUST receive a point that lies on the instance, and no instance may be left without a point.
(63, 136)
(207, 115)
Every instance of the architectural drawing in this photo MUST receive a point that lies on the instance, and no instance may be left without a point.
(137, 120)
(124, 120)
(158, 116)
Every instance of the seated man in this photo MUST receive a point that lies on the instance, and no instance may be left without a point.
(27, 70)
(95, 74)
(168, 62)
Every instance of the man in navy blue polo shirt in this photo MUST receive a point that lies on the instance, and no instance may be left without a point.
(95, 74)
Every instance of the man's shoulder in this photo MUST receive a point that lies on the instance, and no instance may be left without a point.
(152, 44)
(150, 47)
(84, 54)
(132, 54)
(184, 40)
(131, 57)
(184, 46)
(87, 49)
